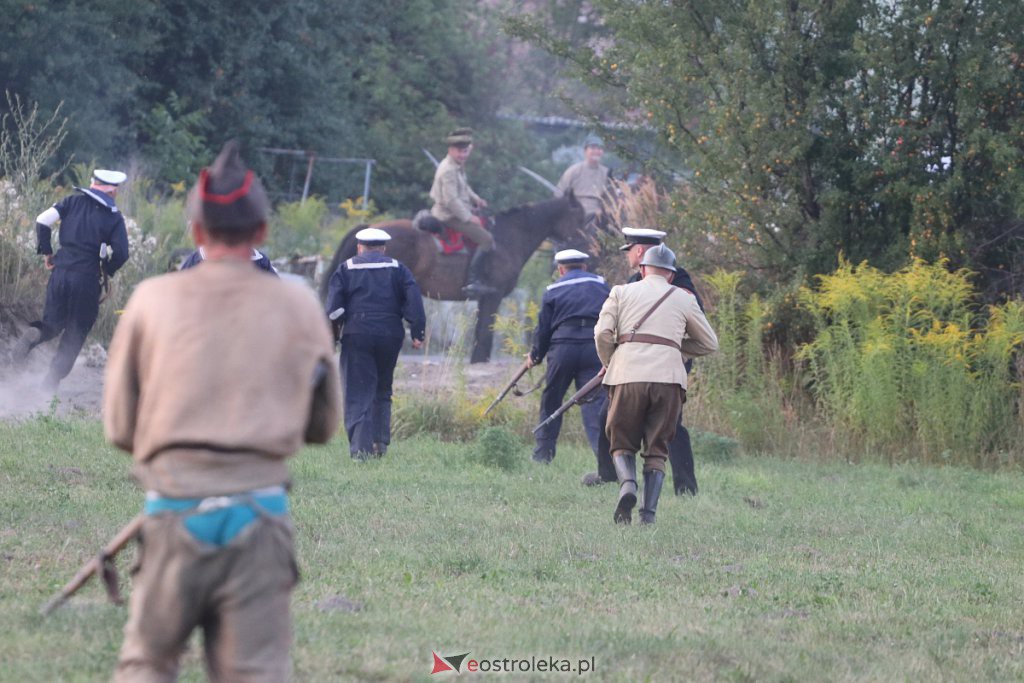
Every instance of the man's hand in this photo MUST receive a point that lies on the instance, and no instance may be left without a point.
(417, 343)
(529, 361)
(481, 204)
(48, 261)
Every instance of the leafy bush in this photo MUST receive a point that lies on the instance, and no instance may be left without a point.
(905, 361)
(498, 447)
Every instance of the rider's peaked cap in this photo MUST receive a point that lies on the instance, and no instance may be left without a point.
(640, 236)
(460, 136)
(372, 236)
(659, 256)
(593, 141)
(228, 195)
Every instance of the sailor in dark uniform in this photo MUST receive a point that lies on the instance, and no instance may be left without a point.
(368, 297)
(565, 334)
(684, 480)
(93, 245)
(259, 259)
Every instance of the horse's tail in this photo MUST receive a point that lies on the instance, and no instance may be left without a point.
(346, 250)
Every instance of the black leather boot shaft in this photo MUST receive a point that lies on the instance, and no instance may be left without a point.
(625, 471)
(652, 491)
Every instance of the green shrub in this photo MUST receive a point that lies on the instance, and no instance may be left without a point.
(498, 447)
(711, 447)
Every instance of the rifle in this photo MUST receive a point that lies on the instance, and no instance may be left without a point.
(101, 564)
(510, 386)
(576, 398)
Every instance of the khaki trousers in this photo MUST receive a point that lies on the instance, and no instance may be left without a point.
(474, 231)
(644, 415)
(238, 594)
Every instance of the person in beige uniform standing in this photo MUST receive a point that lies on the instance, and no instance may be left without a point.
(588, 179)
(217, 375)
(454, 201)
(645, 333)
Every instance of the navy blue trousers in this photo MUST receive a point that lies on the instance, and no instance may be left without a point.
(680, 456)
(72, 304)
(367, 373)
(570, 362)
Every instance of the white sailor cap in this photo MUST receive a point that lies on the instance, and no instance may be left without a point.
(104, 177)
(641, 236)
(570, 256)
(372, 236)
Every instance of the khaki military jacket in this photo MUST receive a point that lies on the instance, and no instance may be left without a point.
(588, 184)
(452, 196)
(678, 319)
(210, 381)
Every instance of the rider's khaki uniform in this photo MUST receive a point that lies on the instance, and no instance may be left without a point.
(454, 200)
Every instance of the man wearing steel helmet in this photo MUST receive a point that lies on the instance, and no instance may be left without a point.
(684, 479)
(94, 245)
(645, 333)
(217, 375)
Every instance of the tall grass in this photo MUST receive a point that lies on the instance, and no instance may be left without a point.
(900, 364)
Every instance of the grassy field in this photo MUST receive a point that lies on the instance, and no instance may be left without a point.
(780, 570)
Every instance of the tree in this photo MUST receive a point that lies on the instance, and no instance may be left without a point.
(876, 129)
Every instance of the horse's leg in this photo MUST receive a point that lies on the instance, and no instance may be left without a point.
(487, 308)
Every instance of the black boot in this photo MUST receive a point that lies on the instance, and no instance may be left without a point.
(475, 287)
(543, 454)
(652, 491)
(28, 341)
(625, 470)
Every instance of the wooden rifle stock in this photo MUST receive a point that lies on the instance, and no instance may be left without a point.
(96, 566)
(578, 397)
(511, 385)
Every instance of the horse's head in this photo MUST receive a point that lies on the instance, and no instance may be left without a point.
(571, 219)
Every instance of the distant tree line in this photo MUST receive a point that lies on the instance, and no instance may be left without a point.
(165, 82)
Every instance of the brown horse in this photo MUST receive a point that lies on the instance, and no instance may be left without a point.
(517, 234)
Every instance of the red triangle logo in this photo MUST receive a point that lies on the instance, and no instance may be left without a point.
(440, 665)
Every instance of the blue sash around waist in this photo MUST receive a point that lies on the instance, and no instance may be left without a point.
(218, 519)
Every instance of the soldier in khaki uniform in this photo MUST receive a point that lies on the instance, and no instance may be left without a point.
(454, 201)
(588, 179)
(216, 376)
(645, 333)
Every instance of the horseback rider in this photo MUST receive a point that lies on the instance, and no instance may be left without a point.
(454, 201)
(588, 179)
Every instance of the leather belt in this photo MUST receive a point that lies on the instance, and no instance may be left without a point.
(578, 322)
(650, 339)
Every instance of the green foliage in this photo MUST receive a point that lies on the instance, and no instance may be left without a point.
(902, 359)
(311, 227)
(881, 130)
(500, 448)
(29, 140)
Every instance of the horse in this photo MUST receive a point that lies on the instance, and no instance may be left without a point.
(518, 232)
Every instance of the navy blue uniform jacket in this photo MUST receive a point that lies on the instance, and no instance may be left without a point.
(372, 293)
(569, 311)
(86, 221)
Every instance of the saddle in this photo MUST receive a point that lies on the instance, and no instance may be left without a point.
(448, 241)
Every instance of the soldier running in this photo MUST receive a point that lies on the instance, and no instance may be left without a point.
(93, 246)
(565, 334)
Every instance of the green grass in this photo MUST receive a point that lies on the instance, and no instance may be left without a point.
(781, 570)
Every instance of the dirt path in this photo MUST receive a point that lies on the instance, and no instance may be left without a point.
(81, 392)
